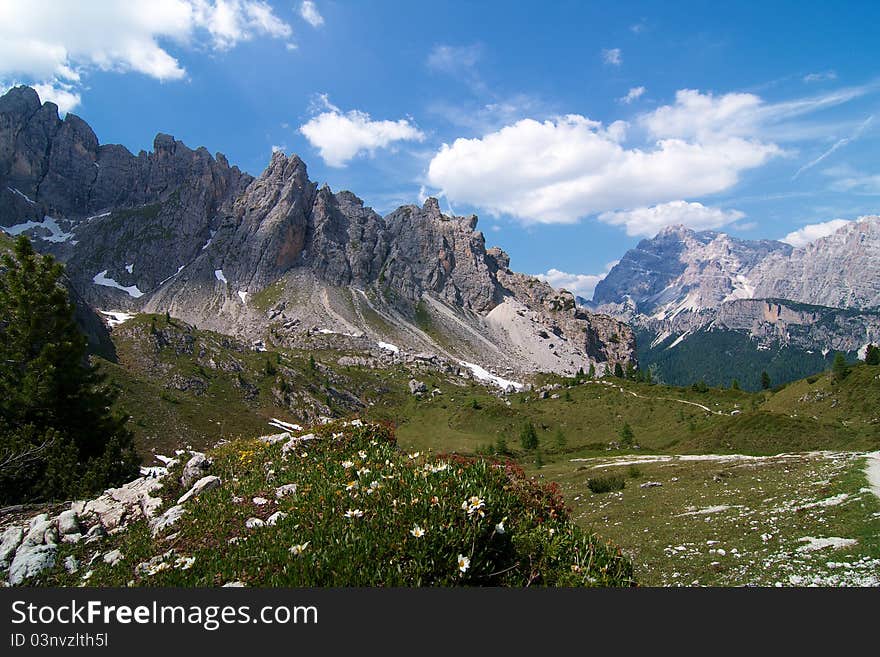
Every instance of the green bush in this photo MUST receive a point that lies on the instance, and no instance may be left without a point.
(606, 483)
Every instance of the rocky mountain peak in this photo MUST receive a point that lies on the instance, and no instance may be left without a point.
(277, 257)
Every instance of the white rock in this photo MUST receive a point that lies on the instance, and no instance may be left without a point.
(275, 438)
(9, 543)
(275, 517)
(71, 564)
(260, 501)
(68, 523)
(195, 469)
(234, 585)
(41, 531)
(171, 516)
(286, 489)
(202, 485)
(113, 557)
(252, 523)
(31, 560)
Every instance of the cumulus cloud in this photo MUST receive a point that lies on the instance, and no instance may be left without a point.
(612, 56)
(309, 11)
(648, 221)
(582, 285)
(340, 136)
(812, 232)
(59, 93)
(633, 94)
(54, 43)
(559, 171)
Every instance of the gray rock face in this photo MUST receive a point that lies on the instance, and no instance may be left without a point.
(841, 270)
(681, 281)
(186, 233)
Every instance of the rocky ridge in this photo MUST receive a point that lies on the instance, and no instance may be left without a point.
(275, 258)
(824, 296)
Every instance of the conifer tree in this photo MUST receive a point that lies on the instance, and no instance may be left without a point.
(58, 436)
(872, 355)
(840, 367)
(765, 380)
(528, 437)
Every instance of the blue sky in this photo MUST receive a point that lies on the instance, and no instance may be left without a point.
(572, 129)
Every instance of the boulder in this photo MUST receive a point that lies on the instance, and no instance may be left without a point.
(11, 539)
(31, 560)
(204, 484)
(195, 469)
(68, 523)
(417, 387)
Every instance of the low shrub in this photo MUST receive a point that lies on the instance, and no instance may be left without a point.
(606, 484)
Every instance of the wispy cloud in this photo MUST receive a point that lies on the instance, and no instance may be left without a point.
(309, 11)
(840, 143)
(612, 56)
(633, 94)
(820, 77)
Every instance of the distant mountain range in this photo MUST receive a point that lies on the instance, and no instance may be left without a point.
(707, 305)
(276, 259)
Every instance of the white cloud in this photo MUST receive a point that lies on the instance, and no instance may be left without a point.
(453, 59)
(811, 233)
(633, 94)
(309, 11)
(648, 221)
(582, 285)
(279, 148)
(562, 170)
(340, 136)
(570, 167)
(50, 43)
(613, 56)
(695, 115)
(59, 93)
(820, 77)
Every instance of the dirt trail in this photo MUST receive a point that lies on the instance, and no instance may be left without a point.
(672, 399)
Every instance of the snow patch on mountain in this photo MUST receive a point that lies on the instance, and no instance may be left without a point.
(101, 278)
(56, 234)
(481, 374)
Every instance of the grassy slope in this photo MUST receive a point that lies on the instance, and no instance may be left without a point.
(231, 395)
